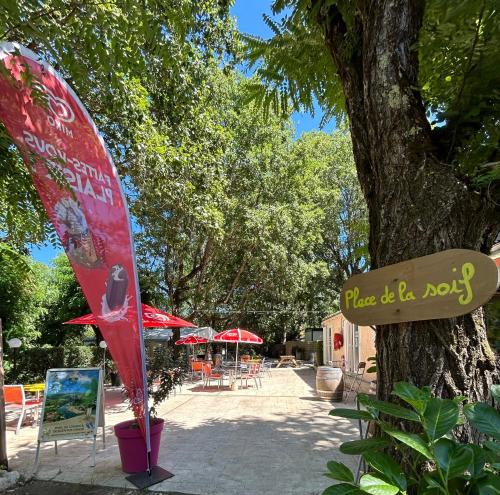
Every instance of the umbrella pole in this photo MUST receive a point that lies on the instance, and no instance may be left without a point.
(236, 364)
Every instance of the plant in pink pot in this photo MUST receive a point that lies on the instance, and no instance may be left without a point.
(165, 372)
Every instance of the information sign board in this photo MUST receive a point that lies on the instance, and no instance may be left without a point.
(72, 405)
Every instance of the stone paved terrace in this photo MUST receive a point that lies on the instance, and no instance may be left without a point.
(276, 439)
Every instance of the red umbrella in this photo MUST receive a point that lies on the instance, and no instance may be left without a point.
(151, 317)
(191, 340)
(238, 335)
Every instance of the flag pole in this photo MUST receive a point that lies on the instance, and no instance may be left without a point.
(147, 426)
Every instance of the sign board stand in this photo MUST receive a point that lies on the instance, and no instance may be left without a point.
(73, 408)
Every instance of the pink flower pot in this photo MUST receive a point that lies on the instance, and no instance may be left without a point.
(133, 446)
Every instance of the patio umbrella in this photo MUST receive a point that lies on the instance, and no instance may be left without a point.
(207, 332)
(237, 335)
(191, 340)
(151, 317)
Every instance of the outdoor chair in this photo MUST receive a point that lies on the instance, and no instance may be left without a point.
(15, 400)
(355, 381)
(196, 368)
(265, 368)
(253, 371)
(209, 375)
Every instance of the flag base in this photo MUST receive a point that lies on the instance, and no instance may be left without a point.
(144, 479)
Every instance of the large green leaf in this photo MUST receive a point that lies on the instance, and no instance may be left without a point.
(490, 485)
(476, 466)
(495, 392)
(389, 408)
(377, 486)
(431, 481)
(493, 446)
(387, 466)
(452, 458)
(343, 489)
(357, 447)
(485, 418)
(416, 397)
(410, 439)
(440, 416)
(351, 414)
(339, 471)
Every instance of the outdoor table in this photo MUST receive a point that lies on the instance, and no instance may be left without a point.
(233, 370)
(36, 388)
(287, 360)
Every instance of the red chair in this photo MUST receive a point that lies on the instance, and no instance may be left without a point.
(196, 367)
(15, 400)
(209, 374)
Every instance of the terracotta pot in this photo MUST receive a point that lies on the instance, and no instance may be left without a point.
(132, 445)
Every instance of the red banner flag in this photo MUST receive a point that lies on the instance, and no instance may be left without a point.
(80, 189)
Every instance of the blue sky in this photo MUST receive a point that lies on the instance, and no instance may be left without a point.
(248, 14)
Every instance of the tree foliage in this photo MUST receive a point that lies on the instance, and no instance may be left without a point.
(458, 73)
(23, 285)
(64, 301)
(236, 223)
(103, 49)
(233, 218)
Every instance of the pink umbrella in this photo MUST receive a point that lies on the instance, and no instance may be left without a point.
(238, 335)
(151, 317)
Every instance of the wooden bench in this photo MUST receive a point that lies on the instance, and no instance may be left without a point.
(287, 360)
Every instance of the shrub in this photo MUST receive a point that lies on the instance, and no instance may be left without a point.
(77, 357)
(32, 363)
(433, 461)
(166, 370)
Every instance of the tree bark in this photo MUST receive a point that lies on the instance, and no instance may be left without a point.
(417, 204)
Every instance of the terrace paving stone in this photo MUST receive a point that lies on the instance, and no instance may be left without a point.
(275, 439)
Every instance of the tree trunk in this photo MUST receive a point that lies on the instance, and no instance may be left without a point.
(417, 204)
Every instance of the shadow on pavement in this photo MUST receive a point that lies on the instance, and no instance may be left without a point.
(54, 488)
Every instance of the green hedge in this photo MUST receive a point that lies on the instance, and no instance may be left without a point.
(33, 363)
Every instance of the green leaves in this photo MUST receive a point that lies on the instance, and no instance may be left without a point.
(414, 396)
(489, 485)
(452, 459)
(377, 486)
(339, 471)
(388, 408)
(410, 439)
(357, 447)
(351, 414)
(495, 392)
(485, 418)
(432, 462)
(343, 489)
(386, 466)
(440, 417)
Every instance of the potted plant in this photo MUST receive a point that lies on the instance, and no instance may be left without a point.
(165, 372)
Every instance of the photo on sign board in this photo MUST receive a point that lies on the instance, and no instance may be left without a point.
(70, 403)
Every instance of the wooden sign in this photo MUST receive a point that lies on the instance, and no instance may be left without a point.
(442, 285)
